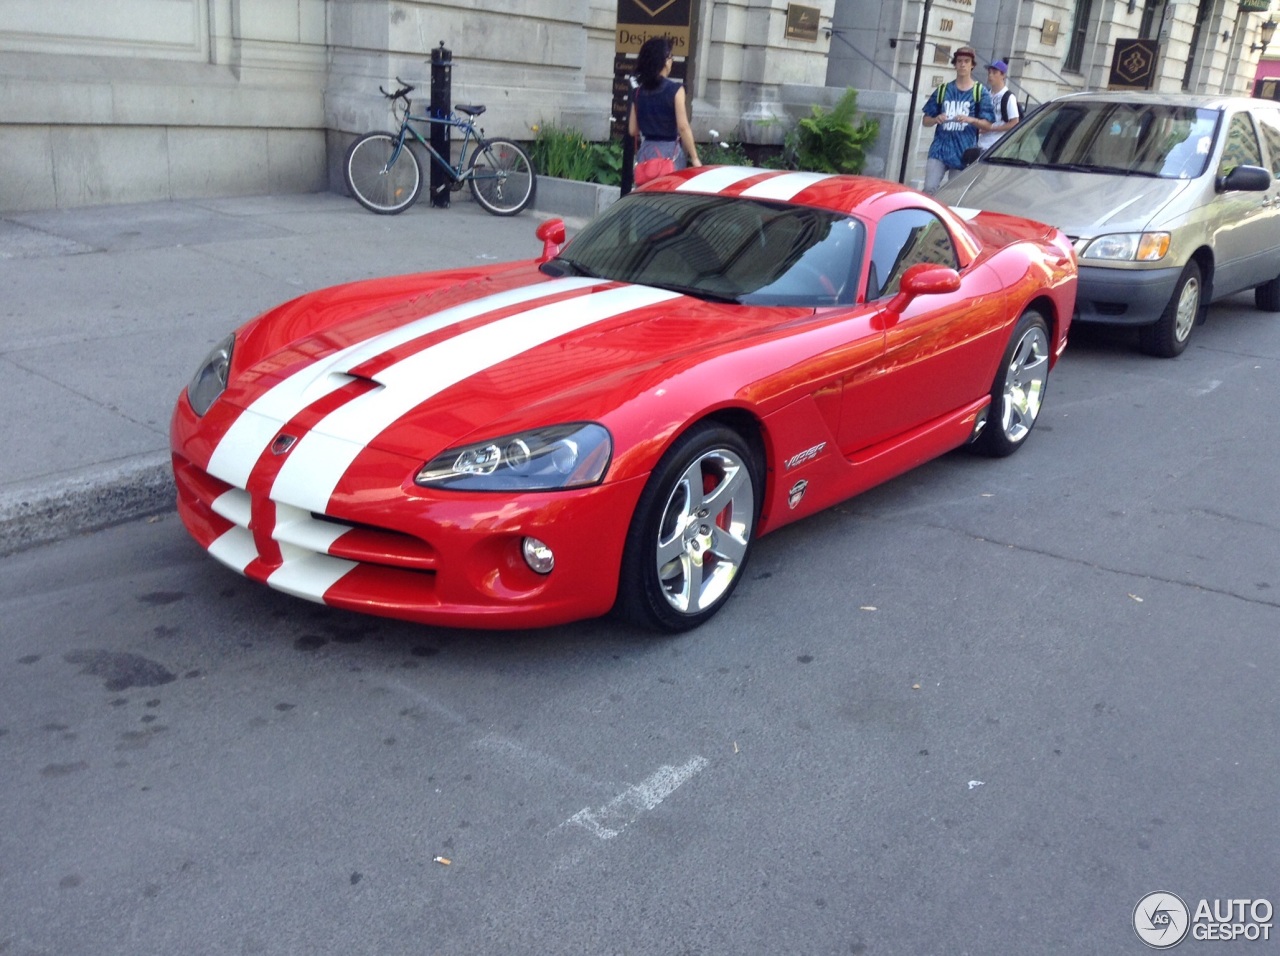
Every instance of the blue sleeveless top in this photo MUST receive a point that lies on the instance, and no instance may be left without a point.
(656, 111)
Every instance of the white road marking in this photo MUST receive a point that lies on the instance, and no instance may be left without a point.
(606, 822)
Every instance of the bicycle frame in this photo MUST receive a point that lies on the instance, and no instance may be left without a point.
(456, 173)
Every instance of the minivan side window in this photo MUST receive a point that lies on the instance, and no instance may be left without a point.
(1242, 147)
(1269, 120)
(903, 239)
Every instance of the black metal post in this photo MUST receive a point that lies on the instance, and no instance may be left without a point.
(628, 146)
(915, 92)
(441, 106)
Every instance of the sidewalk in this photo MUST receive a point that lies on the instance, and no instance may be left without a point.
(105, 312)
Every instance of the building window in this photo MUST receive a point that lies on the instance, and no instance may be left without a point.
(1079, 33)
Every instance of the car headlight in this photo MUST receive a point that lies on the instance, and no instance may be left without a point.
(210, 379)
(543, 459)
(1129, 247)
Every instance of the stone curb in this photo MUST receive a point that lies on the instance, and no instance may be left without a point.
(40, 513)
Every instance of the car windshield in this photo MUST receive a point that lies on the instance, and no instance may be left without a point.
(721, 248)
(1139, 139)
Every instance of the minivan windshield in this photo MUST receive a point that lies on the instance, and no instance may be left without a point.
(1137, 139)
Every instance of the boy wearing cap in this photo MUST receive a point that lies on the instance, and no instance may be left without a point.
(1003, 102)
(959, 110)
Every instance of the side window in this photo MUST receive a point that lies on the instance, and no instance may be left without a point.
(1242, 145)
(1269, 120)
(903, 239)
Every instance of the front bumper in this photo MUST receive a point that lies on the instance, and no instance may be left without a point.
(1123, 296)
(446, 559)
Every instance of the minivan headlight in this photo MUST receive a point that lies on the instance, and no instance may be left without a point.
(1129, 247)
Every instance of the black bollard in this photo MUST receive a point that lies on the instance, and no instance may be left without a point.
(441, 107)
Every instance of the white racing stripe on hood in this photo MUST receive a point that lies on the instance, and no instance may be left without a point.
(716, 179)
(784, 187)
(317, 463)
(250, 434)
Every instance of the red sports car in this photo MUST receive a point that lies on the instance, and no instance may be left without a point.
(613, 424)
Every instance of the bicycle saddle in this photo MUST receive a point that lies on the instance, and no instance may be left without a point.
(469, 110)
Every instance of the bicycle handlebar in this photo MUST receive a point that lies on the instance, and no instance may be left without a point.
(405, 90)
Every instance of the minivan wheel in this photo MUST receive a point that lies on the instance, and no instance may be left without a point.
(1168, 336)
(1267, 296)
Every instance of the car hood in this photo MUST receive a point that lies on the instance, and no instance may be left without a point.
(1082, 205)
(414, 374)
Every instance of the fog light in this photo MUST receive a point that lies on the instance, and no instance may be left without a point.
(537, 555)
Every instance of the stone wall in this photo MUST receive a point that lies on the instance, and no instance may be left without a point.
(159, 99)
(141, 100)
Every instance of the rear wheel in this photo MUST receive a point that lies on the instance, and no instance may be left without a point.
(1168, 336)
(1017, 393)
(376, 185)
(692, 531)
(502, 178)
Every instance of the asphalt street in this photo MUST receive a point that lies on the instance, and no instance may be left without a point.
(985, 708)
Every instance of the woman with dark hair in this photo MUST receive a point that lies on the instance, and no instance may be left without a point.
(658, 109)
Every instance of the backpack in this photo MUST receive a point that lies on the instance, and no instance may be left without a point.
(977, 96)
(1004, 106)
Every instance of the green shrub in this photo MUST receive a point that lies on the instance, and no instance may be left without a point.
(607, 158)
(563, 153)
(827, 141)
(721, 152)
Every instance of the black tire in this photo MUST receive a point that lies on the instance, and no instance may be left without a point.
(692, 531)
(502, 177)
(375, 186)
(1267, 296)
(1017, 394)
(1168, 336)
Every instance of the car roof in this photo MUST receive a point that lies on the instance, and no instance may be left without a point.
(1201, 100)
(860, 196)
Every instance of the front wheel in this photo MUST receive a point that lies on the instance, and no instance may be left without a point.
(1267, 296)
(1017, 394)
(380, 178)
(1169, 335)
(692, 531)
(502, 177)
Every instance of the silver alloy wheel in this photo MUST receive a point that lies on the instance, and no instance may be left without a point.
(705, 529)
(1024, 383)
(1188, 307)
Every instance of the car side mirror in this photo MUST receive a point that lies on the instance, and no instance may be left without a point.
(970, 154)
(1253, 179)
(923, 278)
(552, 233)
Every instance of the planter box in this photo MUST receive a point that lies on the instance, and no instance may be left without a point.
(571, 199)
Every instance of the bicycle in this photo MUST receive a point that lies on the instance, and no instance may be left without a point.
(385, 176)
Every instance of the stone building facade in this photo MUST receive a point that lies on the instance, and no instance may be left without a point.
(143, 100)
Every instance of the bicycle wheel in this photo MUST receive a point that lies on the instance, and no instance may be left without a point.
(501, 177)
(377, 186)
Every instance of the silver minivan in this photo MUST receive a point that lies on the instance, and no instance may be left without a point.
(1172, 201)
